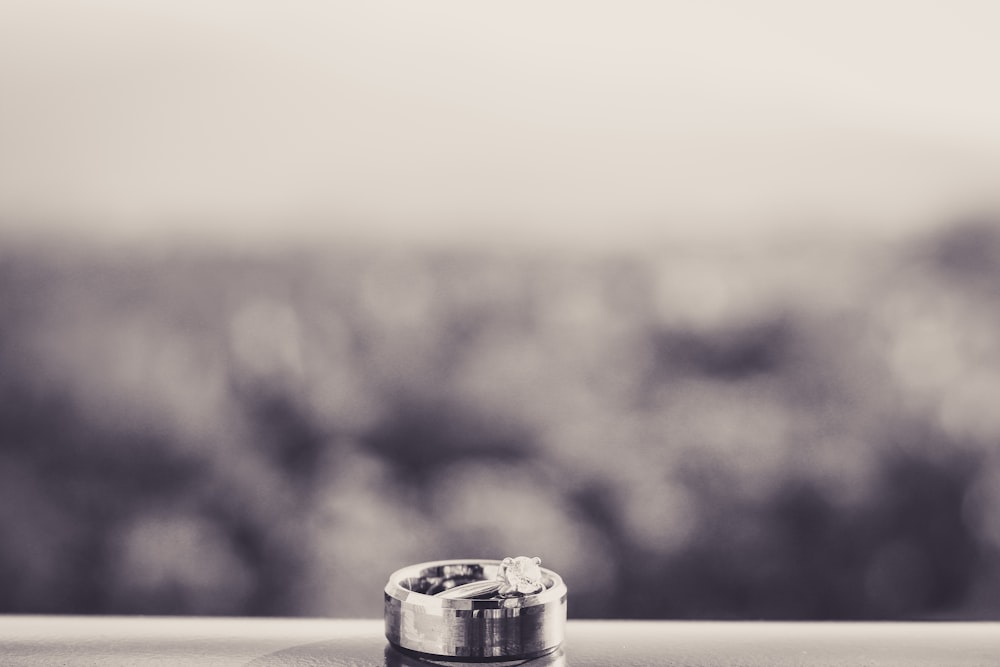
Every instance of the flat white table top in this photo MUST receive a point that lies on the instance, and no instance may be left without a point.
(108, 640)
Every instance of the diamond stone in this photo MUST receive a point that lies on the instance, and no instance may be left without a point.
(520, 576)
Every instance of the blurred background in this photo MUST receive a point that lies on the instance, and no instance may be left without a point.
(698, 302)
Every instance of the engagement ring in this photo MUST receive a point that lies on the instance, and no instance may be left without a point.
(515, 577)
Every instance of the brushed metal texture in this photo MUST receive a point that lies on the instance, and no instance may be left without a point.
(517, 627)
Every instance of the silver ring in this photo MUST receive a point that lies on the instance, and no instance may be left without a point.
(476, 608)
(515, 577)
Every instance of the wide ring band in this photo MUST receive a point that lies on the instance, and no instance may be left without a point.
(496, 628)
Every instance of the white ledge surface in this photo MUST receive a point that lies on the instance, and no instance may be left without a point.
(108, 640)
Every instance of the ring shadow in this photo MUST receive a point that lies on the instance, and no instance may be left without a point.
(363, 652)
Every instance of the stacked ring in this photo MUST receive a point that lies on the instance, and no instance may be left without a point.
(473, 608)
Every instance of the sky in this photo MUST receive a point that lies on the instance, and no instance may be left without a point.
(539, 123)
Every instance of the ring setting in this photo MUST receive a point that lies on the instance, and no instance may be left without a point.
(515, 577)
